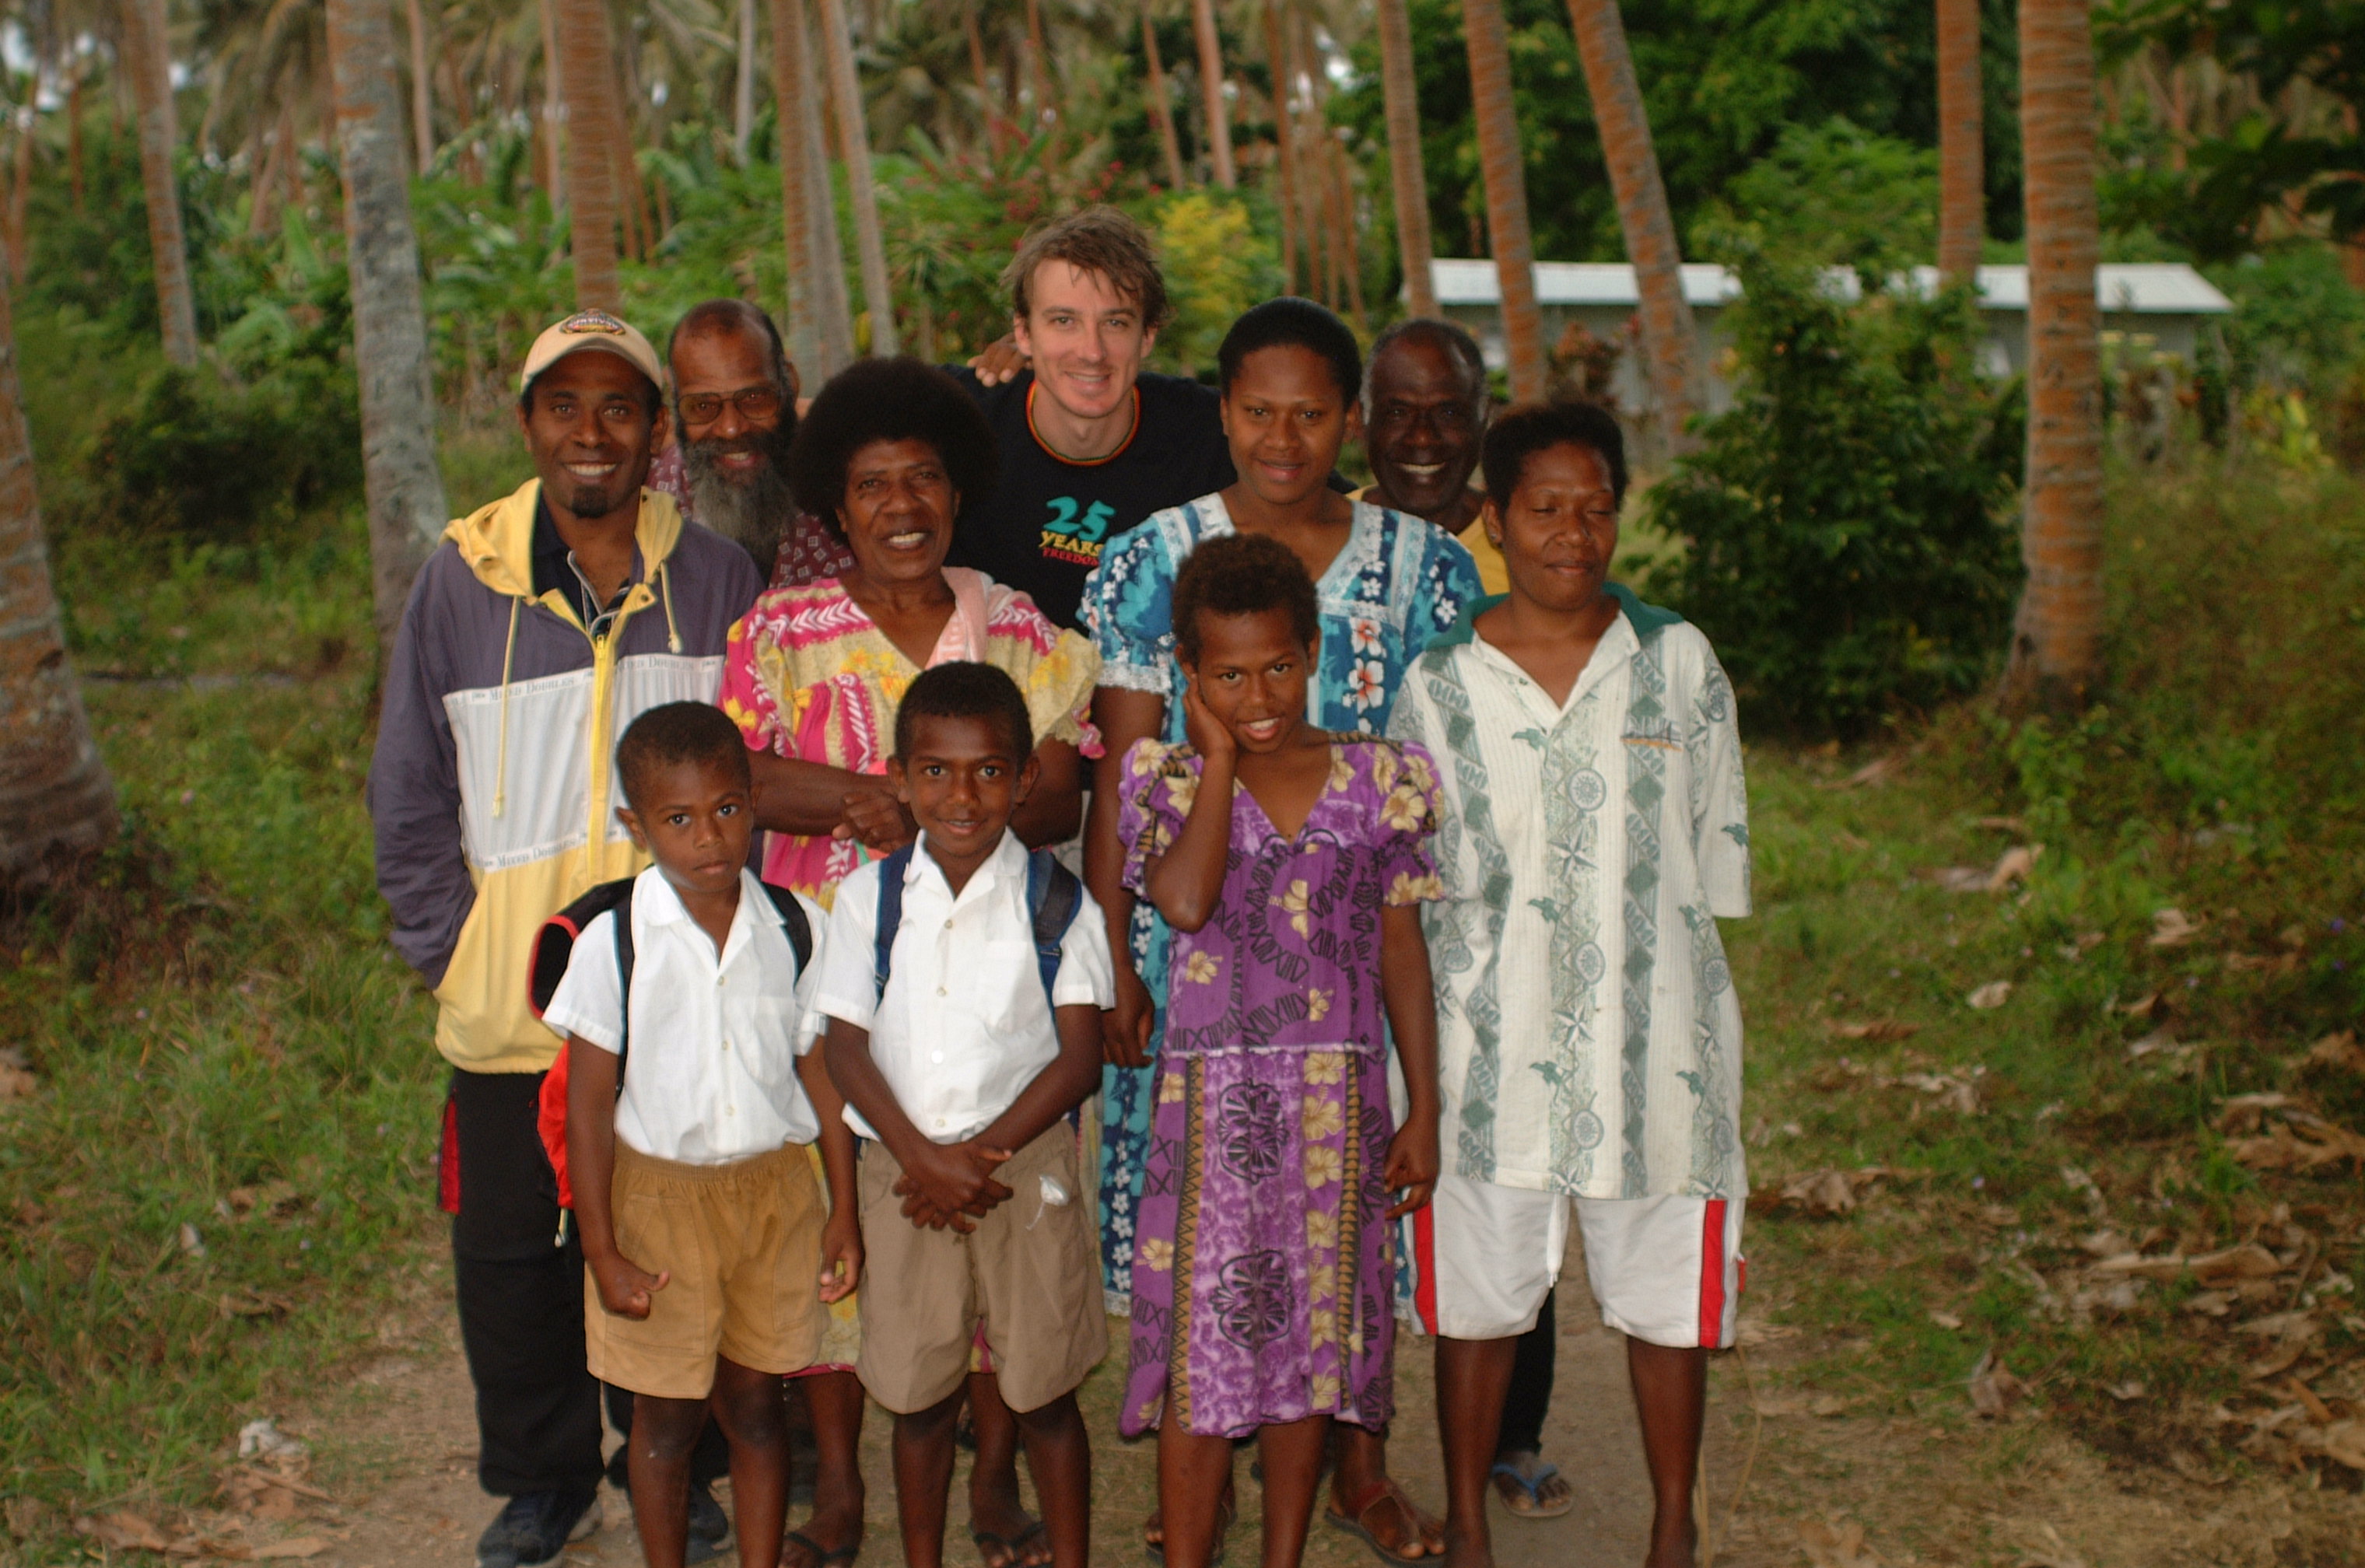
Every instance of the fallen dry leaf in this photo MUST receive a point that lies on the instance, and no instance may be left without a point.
(2271, 963)
(27, 1517)
(1878, 771)
(2275, 1363)
(2317, 1410)
(1946, 1319)
(1954, 1094)
(2125, 1392)
(2173, 928)
(2002, 824)
(1956, 878)
(1828, 1406)
(1880, 1031)
(2247, 1261)
(2338, 1050)
(1993, 994)
(2343, 1442)
(2013, 865)
(1819, 1194)
(301, 1546)
(1830, 1544)
(2143, 1006)
(17, 1081)
(244, 1302)
(2295, 1326)
(2041, 1546)
(1994, 1391)
(124, 1531)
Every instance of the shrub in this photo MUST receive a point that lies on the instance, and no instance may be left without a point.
(1846, 539)
(191, 455)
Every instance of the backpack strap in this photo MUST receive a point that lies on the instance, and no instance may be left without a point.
(1053, 897)
(623, 914)
(891, 871)
(792, 915)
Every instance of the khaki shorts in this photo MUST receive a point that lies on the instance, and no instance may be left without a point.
(742, 1242)
(1030, 1272)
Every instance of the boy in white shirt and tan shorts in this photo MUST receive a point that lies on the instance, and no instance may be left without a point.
(1593, 830)
(706, 1251)
(962, 1033)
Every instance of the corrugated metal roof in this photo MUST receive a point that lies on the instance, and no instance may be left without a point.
(2150, 288)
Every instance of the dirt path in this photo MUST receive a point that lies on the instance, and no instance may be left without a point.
(400, 1456)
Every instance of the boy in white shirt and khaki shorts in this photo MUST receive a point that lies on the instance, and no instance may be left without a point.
(960, 1072)
(706, 1251)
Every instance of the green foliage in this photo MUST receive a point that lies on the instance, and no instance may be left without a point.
(1834, 195)
(1723, 80)
(2297, 323)
(1846, 541)
(1217, 266)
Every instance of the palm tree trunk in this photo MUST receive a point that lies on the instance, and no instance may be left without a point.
(1161, 106)
(1211, 92)
(423, 89)
(789, 95)
(405, 489)
(829, 251)
(150, 76)
(1506, 194)
(1670, 340)
(743, 85)
(2057, 650)
(1407, 183)
(1284, 136)
(586, 58)
(55, 796)
(869, 239)
(1350, 241)
(1962, 196)
(21, 184)
(553, 109)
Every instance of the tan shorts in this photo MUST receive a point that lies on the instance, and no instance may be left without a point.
(1030, 1272)
(743, 1243)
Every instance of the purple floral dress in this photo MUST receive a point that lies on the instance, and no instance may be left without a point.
(1263, 1272)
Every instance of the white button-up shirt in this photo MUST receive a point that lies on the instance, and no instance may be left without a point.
(1588, 1037)
(964, 1027)
(710, 1068)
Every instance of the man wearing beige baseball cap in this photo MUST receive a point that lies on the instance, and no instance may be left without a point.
(541, 627)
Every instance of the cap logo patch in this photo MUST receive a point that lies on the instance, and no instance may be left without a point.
(593, 321)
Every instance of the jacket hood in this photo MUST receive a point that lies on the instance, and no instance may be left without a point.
(497, 539)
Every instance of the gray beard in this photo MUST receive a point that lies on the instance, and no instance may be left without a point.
(751, 512)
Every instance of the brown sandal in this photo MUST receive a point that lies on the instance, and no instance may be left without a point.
(1384, 1490)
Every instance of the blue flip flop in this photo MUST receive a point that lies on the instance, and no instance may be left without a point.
(1529, 1476)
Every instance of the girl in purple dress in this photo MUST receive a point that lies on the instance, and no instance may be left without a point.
(1289, 862)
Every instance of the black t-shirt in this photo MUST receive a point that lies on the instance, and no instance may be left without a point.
(1042, 529)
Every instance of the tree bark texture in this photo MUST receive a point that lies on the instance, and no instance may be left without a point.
(150, 74)
(1277, 64)
(2056, 652)
(826, 249)
(742, 85)
(1407, 183)
(789, 94)
(55, 796)
(1211, 92)
(586, 62)
(422, 91)
(1962, 194)
(1670, 340)
(554, 109)
(404, 488)
(1161, 102)
(1506, 194)
(854, 136)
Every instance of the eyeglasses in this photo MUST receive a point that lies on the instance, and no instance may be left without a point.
(755, 404)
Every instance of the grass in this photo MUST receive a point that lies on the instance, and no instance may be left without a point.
(224, 1042)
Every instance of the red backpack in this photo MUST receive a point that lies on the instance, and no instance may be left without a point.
(554, 949)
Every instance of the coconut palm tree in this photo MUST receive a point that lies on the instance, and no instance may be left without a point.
(587, 86)
(854, 140)
(2056, 649)
(1162, 107)
(1407, 181)
(55, 795)
(1285, 135)
(148, 70)
(422, 88)
(405, 489)
(1498, 124)
(1962, 198)
(1211, 92)
(1669, 339)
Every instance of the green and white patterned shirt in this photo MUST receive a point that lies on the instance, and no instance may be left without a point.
(1589, 1040)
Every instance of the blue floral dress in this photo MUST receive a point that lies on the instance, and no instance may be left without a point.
(1396, 584)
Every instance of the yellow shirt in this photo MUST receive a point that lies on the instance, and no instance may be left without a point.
(1492, 573)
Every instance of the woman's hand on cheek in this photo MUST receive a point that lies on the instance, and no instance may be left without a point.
(1207, 734)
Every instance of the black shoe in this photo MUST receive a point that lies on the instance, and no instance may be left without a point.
(535, 1528)
(710, 1528)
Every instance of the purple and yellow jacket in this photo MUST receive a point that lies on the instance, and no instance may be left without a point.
(492, 788)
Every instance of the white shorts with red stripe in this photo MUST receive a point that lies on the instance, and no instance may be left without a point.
(1666, 1269)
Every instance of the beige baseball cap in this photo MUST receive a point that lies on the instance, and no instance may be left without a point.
(591, 330)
